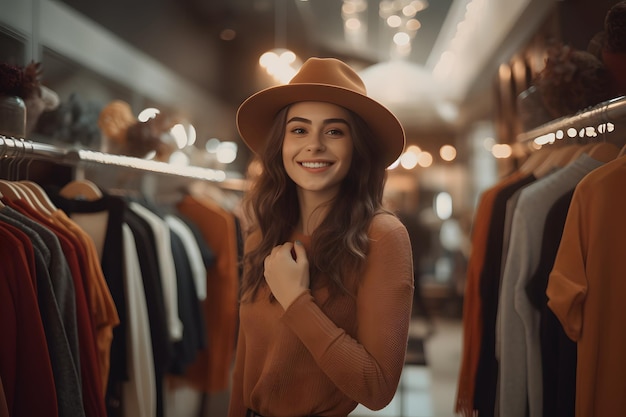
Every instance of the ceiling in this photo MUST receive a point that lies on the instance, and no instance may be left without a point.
(185, 36)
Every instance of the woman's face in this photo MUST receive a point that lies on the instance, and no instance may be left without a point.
(318, 146)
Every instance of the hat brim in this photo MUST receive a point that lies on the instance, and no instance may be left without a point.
(255, 116)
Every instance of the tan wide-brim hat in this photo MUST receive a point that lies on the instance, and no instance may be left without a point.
(321, 79)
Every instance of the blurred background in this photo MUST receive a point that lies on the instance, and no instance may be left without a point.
(453, 71)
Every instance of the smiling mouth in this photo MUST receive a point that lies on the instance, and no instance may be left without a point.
(315, 164)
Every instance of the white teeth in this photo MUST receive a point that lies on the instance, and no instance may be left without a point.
(315, 164)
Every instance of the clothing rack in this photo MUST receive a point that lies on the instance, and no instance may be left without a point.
(592, 122)
(11, 147)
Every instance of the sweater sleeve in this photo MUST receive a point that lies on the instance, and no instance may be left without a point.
(567, 284)
(368, 368)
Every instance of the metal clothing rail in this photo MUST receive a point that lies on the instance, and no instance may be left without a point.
(591, 119)
(19, 148)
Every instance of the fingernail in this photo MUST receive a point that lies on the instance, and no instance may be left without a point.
(298, 242)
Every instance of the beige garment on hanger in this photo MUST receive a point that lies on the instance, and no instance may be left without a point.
(95, 224)
(604, 151)
(558, 158)
(582, 149)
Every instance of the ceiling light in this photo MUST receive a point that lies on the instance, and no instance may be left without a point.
(228, 34)
(399, 15)
(401, 39)
(281, 63)
(414, 149)
(447, 153)
(227, 152)
(409, 11)
(408, 160)
(413, 25)
(501, 150)
(355, 21)
(353, 24)
(425, 159)
(394, 21)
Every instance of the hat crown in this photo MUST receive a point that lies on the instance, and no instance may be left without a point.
(329, 71)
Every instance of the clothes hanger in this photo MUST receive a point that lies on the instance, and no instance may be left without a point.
(581, 150)
(567, 154)
(39, 194)
(10, 191)
(12, 188)
(35, 199)
(34, 190)
(81, 190)
(604, 151)
(535, 159)
(94, 224)
(554, 160)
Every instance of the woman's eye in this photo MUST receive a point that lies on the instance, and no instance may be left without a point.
(335, 132)
(298, 131)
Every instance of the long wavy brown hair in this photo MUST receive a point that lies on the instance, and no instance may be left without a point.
(340, 244)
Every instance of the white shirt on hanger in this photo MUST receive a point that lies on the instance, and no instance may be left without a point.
(193, 253)
(167, 268)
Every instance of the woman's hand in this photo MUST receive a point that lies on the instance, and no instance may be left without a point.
(287, 272)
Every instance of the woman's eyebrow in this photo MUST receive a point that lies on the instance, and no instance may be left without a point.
(299, 119)
(326, 121)
(337, 120)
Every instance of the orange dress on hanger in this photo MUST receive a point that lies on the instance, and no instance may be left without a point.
(586, 289)
(210, 372)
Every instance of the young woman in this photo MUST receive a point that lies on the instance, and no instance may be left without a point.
(328, 282)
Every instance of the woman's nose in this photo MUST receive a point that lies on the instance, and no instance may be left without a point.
(316, 143)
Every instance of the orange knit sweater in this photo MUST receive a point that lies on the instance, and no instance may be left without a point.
(320, 358)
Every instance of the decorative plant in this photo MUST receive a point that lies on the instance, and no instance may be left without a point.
(23, 82)
(572, 80)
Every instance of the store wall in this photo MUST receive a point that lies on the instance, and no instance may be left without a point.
(81, 57)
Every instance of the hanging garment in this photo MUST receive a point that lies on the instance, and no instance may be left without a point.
(162, 239)
(4, 408)
(189, 310)
(25, 366)
(192, 251)
(472, 323)
(558, 352)
(586, 289)
(102, 310)
(520, 375)
(162, 346)
(488, 286)
(57, 302)
(139, 392)
(75, 254)
(111, 255)
(210, 371)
